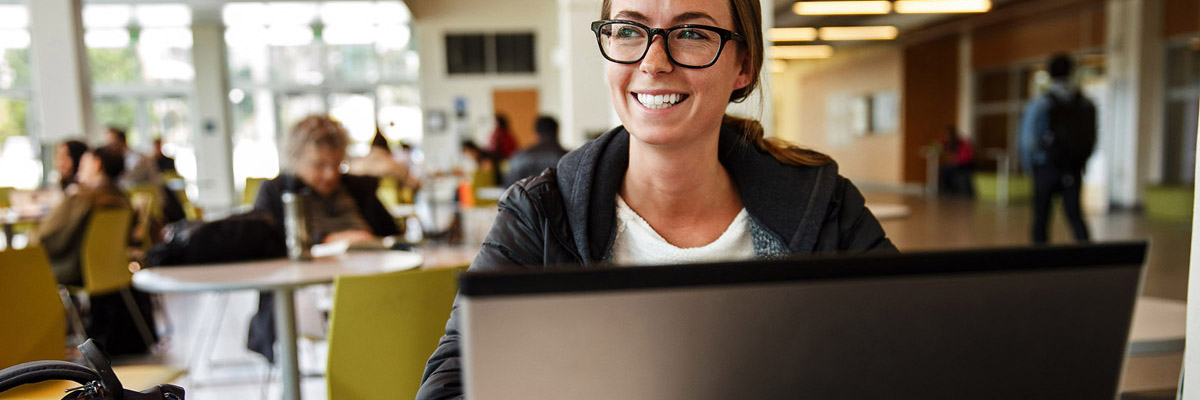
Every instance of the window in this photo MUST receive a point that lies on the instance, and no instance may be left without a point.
(140, 59)
(354, 60)
(1182, 100)
(18, 151)
(490, 53)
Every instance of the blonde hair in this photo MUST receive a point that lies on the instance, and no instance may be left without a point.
(747, 21)
(314, 130)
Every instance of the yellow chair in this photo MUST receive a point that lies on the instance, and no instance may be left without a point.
(177, 185)
(386, 326)
(4, 190)
(35, 330)
(32, 320)
(104, 264)
(251, 191)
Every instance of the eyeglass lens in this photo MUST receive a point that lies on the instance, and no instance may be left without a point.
(686, 46)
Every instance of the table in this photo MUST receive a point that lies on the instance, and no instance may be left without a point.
(1159, 326)
(282, 276)
(11, 218)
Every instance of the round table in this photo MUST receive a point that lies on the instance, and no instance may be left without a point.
(282, 276)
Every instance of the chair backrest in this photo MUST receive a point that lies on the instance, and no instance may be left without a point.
(250, 193)
(32, 326)
(105, 258)
(383, 329)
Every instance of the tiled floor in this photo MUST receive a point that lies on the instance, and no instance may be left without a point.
(932, 224)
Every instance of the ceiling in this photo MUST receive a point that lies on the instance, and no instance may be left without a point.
(784, 17)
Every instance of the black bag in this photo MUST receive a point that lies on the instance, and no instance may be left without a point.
(240, 237)
(98, 382)
(1072, 135)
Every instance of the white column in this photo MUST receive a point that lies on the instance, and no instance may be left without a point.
(966, 85)
(587, 108)
(1134, 107)
(212, 141)
(60, 81)
(1191, 355)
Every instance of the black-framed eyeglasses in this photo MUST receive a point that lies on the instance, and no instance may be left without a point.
(690, 46)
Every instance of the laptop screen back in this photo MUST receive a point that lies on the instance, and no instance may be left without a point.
(1009, 323)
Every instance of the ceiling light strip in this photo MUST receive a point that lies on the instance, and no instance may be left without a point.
(942, 6)
(841, 7)
(858, 33)
(792, 34)
(801, 52)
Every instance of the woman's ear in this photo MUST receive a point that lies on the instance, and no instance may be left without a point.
(744, 76)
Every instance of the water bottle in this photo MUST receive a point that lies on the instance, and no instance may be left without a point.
(295, 227)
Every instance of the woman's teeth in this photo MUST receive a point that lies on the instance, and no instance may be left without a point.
(658, 101)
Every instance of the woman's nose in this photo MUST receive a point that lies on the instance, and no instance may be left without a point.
(656, 61)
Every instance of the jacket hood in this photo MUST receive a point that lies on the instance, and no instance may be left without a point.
(790, 201)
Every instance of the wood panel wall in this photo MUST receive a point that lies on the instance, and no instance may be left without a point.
(1011, 41)
(930, 99)
(1181, 17)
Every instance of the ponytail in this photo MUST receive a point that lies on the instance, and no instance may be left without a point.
(787, 153)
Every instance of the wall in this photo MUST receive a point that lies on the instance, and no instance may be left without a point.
(433, 19)
(803, 91)
(930, 99)
(1181, 17)
(1017, 40)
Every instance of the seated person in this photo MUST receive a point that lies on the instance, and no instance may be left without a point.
(61, 233)
(379, 163)
(338, 207)
(66, 161)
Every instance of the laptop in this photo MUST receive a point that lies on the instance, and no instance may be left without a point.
(1007, 323)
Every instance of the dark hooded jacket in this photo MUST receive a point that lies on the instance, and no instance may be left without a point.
(566, 219)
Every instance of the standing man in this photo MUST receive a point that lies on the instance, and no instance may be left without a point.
(1058, 135)
(535, 159)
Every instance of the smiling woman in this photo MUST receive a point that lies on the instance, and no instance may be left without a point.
(680, 181)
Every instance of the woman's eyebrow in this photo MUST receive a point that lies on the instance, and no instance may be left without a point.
(679, 19)
(692, 16)
(630, 15)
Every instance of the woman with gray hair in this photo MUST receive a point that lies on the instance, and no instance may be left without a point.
(338, 206)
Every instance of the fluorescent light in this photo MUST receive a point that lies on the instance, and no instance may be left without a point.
(859, 33)
(801, 52)
(13, 16)
(942, 6)
(106, 38)
(841, 7)
(792, 34)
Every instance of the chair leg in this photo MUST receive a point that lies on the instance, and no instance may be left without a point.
(138, 320)
(73, 316)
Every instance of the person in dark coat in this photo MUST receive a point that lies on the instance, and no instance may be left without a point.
(338, 207)
(536, 158)
(680, 180)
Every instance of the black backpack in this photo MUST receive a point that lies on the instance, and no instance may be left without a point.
(1072, 135)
